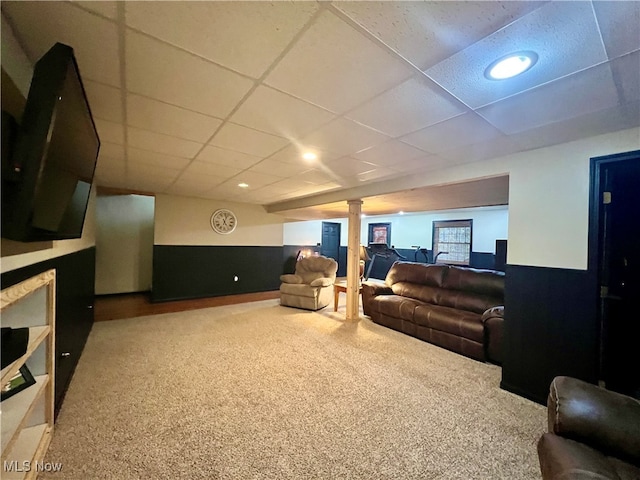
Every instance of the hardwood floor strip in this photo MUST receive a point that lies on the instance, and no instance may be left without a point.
(115, 307)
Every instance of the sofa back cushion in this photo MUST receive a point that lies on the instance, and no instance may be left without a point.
(449, 286)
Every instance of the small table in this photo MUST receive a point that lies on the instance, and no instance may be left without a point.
(341, 287)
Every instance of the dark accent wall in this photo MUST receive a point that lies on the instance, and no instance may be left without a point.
(550, 329)
(75, 292)
(183, 272)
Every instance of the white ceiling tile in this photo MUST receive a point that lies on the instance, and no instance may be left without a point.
(205, 168)
(94, 40)
(348, 166)
(564, 35)
(316, 176)
(465, 129)
(389, 153)
(109, 131)
(343, 137)
(271, 111)
(410, 106)
(160, 71)
(430, 162)
(145, 183)
(229, 158)
(578, 94)
(428, 32)
(229, 33)
(280, 169)
(619, 24)
(188, 184)
(377, 174)
(136, 155)
(143, 170)
(626, 74)
(157, 142)
(247, 140)
(256, 179)
(105, 101)
(293, 155)
(160, 117)
(111, 151)
(336, 67)
(103, 7)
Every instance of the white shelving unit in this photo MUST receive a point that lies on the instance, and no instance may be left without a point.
(26, 418)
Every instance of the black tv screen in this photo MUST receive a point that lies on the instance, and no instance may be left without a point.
(47, 179)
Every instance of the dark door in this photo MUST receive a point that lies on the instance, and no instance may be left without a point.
(619, 275)
(330, 240)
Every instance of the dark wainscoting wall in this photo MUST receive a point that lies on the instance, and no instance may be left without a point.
(550, 328)
(75, 292)
(182, 272)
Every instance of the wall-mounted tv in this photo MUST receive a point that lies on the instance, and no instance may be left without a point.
(47, 177)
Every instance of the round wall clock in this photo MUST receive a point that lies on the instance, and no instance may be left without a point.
(223, 221)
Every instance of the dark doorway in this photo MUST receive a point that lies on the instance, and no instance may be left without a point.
(615, 256)
(330, 240)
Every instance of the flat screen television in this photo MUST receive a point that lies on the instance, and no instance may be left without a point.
(47, 177)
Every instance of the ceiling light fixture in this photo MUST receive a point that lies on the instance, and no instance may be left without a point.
(309, 156)
(511, 65)
(243, 185)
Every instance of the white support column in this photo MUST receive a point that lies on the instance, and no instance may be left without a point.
(353, 261)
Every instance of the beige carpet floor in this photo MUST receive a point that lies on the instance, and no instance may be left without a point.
(260, 391)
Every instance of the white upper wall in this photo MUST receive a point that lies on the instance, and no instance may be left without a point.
(489, 224)
(186, 221)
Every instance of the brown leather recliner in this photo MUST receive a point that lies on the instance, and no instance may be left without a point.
(593, 433)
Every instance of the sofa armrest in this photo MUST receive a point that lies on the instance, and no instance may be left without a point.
(290, 278)
(322, 282)
(493, 312)
(602, 419)
(371, 290)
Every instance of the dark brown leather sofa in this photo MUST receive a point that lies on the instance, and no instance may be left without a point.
(593, 433)
(453, 307)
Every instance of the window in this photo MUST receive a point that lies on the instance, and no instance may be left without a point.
(452, 242)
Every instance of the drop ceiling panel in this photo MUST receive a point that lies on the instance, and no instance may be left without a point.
(410, 106)
(136, 155)
(578, 94)
(336, 67)
(105, 101)
(389, 153)
(160, 117)
(163, 72)
(343, 137)
(247, 140)
(104, 8)
(349, 166)
(619, 24)
(280, 169)
(94, 40)
(564, 35)
(238, 39)
(229, 158)
(109, 131)
(465, 129)
(293, 154)
(426, 33)
(256, 179)
(626, 72)
(157, 142)
(205, 168)
(144, 171)
(275, 112)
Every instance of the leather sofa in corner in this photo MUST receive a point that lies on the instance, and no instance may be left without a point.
(458, 308)
(593, 433)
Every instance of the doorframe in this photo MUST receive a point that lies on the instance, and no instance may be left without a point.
(339, 237)
(596, 168)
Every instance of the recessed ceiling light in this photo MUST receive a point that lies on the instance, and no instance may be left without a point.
(309, 156)
(511, 65)
(243, 185)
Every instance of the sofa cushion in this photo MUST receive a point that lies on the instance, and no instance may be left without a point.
(396, 306)
(450, 320)
(298, 289)
(487, 283)
(418, 273)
